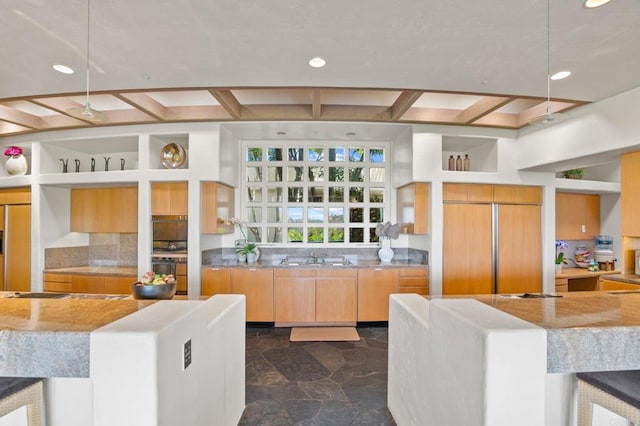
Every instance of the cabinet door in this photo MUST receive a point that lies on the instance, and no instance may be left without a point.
(374, 287)
(413, 208)
(119, 285)
(90, 210)
(17, 245)
(87, 284)
(336, 296)
(215, 281)
(468, 192)
(517, 194)
(519, 261)
(606, 285)
(124, 210)
(295, 295)
(567, 224)
(217, 202)
(591, 216)
(161, 198)
(257, 285)
(630, 194)
(467, 249)
(179, 198)
(57, 282)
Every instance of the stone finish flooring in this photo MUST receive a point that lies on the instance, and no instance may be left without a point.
(316, 383)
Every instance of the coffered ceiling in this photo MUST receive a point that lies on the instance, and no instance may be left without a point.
(413, 61)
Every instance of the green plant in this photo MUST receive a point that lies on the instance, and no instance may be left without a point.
(573, 174)
(247, 249)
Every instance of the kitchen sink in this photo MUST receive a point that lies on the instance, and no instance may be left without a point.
(315, 260)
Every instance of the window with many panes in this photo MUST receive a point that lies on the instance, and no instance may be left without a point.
(312, 192)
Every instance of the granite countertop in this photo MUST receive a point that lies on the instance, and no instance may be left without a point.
(97, 270)
(582, 273)
(56, 331)
(586, 331)
(629, 279)
(366, 263)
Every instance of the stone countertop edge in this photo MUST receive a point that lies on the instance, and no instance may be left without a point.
(358, 264)
(629, 279)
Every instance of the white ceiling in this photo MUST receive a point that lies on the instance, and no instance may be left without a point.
(473, 47)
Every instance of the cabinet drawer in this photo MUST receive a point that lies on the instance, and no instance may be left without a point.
(295, 273)
(60, 278)
(57, 286)
(329, 273)
(606, 285)
(181, 269)
(119, 285)
(413, 272)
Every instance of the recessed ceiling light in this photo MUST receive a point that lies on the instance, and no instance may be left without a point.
(590, 4)
(317, 62)
(351, 134)
(281, 133)
(560, 75)
(63, 69)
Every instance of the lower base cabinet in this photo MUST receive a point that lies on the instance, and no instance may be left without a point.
(92, 284)
(215, 281)
(374, 287)
(414, 280)
(606, 285)
(257, 285)
(336, 295)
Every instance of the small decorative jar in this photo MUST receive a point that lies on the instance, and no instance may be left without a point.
(386, 252)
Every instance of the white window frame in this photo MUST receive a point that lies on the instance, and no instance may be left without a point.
(366, 205)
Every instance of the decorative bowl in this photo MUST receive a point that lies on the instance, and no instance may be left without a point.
(153, 291)
(173, 156)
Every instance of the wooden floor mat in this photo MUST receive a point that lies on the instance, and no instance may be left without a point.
(324, 334)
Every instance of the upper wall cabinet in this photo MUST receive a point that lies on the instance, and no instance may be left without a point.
(630, 194)
(217, 208)
(577, 216)
(108, 210)
(413, 208)
(484, 193)
(169, 198)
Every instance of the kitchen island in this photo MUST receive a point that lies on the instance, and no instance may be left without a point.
(129, 362)
(503, 360)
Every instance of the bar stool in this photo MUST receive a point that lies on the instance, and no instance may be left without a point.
(16, 392)
(616, 391)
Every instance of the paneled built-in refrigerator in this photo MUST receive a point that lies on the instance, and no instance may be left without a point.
(16, 247)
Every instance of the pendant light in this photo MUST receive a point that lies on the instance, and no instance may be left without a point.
(86, 112)
(548, 117)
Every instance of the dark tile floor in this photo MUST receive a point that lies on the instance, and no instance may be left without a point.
(316, 383)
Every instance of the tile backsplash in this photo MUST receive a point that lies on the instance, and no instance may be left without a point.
(103, 250)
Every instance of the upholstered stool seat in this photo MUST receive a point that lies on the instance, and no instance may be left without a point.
(617, 391)
(16, 392)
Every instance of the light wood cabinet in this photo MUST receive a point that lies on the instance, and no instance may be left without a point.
(374, 287)
(257, 285)
(181, 278)
(413, 208)
(17, 244)
(215, 281)
(467, 192)
(562, 285)
(607, 285)
(414, 280)
(336, 295)
(92, 284)
(119, 284)
(470, 241)
(577, 216)
(87, 284)
(217, 201)
(57, 282)
(295, 295)
(169, 198)
(630, 194)
(104, 210)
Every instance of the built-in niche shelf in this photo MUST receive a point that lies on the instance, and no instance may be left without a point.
(482, 152)
(157, 144)
(26, 151)
(90, 155)
(599, 179)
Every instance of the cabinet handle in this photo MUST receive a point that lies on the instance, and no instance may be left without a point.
(252, 269)
(584, 228)
(377, 269)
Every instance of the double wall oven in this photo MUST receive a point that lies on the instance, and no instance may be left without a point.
(169, 255)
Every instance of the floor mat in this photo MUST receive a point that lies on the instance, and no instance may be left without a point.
(324, 334)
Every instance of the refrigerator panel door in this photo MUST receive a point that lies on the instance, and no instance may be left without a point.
(519, 249)
(17, 244)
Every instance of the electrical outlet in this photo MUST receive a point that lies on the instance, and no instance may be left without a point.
(187, 354)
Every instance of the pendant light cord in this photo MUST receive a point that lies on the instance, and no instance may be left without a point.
(88, 43)
(548, 60)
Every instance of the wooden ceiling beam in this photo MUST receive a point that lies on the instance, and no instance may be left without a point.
(316, 105)
(144, 103)
(21, 118)
(228, 101)
(403, 103)
(483, 107)
(538, 110)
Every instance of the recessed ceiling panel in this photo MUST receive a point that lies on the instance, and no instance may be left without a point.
(519, 105)
(30, 108)
(102, 102)
(446, 101)
(273, 96)
(184, 98)
(358, 97)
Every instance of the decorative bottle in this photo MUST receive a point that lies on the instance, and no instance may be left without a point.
(459, 163)
(452, 163)
(467, 163)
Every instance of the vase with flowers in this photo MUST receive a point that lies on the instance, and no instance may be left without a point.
(245, 251)
(560, 260)
(385, 233)
(16, 162)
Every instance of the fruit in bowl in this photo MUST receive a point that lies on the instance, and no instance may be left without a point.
(154, 286)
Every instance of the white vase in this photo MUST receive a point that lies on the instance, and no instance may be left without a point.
(558, 268)
(386, 252)
(17, 165)
(251, 258)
